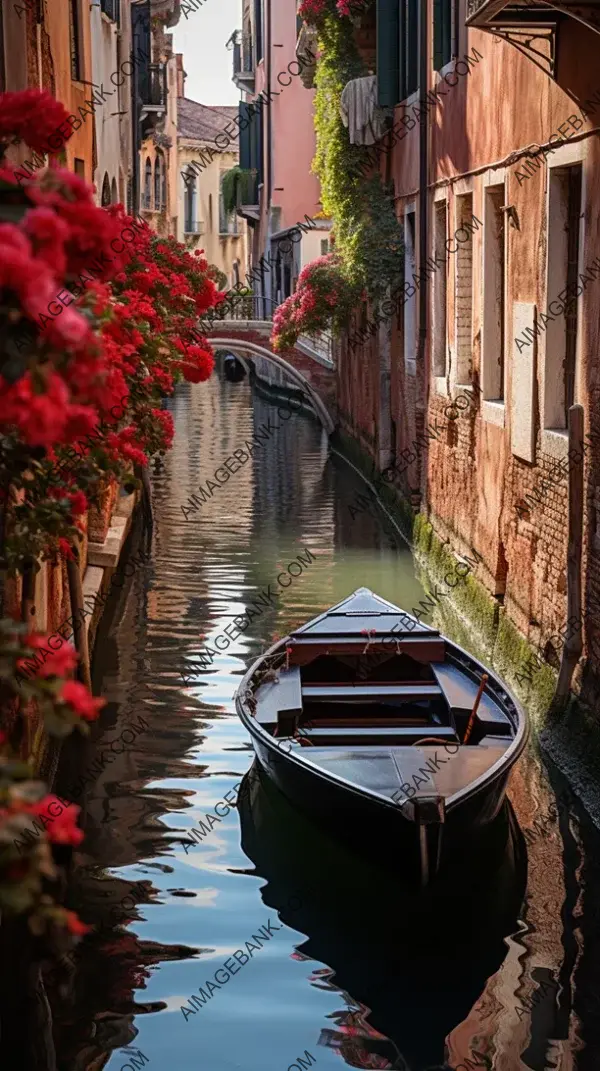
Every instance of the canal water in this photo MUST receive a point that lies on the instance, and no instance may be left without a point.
(324, 967)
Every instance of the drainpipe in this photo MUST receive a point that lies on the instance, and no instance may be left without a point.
(421, 383)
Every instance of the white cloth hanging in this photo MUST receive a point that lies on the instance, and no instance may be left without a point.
(360, 112)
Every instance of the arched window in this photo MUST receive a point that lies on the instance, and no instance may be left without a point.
(163, 185)
(157, 183)
(105, 191)
(189, 202)
(114, 196)
(148, 184)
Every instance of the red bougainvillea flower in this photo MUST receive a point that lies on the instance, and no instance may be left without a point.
(61, 826)
(60, 663)
(31, 115)
(83, 703)
(75, 925)
(39, 417)
(79, 503)
(66, 549)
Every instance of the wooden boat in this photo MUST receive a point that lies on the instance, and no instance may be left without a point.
(384, 731)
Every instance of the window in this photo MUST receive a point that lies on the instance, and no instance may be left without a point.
(148, 184)
(75, 39)
(564, 224)
(157, 183)
(105, 191)
(251, 142)
(189, 203)
(163, 183)
(443, 18)
(410, 307)
(79, 167)
(114, 196)
(440, 282)
(324, 246)
(494, 270)
(397, 50)
(258, 28)
(111, 8)
(228, 222)
(463, 243)
(409, 47)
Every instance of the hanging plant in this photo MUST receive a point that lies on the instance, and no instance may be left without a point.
(237, 186)
(322, 299)
(369, 239)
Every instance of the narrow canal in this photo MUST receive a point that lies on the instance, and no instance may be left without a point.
(176, 881)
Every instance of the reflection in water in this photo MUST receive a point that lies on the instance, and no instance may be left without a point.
(413, 962)
(353, 976)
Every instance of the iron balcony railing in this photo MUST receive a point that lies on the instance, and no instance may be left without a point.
(112, 9)
(153, 85)
(243, 56)
(259, 307)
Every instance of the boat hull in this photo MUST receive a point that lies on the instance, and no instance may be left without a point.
(370, 808)
(371, 827)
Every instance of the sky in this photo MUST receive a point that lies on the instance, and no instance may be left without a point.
(201, 37)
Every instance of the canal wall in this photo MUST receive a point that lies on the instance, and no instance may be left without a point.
(473, 618)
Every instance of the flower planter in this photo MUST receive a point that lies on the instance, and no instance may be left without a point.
(99, 516)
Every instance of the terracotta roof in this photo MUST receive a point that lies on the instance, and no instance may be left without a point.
(202, 121)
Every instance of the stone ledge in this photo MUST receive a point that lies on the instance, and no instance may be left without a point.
(107, 554)
(102, 560)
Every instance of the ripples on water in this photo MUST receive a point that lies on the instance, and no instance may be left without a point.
(353, 985)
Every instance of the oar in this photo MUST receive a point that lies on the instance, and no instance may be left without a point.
(484, 681)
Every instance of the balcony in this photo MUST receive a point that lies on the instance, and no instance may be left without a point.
(244, 64)
(193, 226)
(531, 26)
(110, 8)
(153, 88)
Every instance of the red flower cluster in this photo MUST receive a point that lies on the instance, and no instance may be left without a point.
(322, 298)
(77, 696)
(30, 115)
(315, 11)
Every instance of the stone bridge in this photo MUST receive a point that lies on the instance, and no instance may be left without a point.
(309, 365)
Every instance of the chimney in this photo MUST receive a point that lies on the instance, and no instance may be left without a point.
(181, 75)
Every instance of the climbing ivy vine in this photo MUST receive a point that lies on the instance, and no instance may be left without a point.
(368, 237)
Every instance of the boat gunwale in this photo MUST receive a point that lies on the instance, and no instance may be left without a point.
(467, 661)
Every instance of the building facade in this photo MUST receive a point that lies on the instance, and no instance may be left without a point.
(112, 70)
(204, 220)
(43, 49)
(493, 159)
(277, 145)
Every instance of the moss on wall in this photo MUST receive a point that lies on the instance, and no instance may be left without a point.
(470, 616)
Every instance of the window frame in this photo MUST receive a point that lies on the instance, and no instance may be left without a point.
(76, 40)
(554, 438)
(494, 384)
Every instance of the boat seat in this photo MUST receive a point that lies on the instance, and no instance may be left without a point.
(279, 702)
(359, 693)
(399, 733)
(459, 770)
(460, 693)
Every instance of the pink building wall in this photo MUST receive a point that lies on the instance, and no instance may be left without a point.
(293, 142)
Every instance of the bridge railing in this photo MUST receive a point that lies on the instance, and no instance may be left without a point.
(259, 307)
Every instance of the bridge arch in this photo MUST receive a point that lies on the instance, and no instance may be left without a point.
(254, 349)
